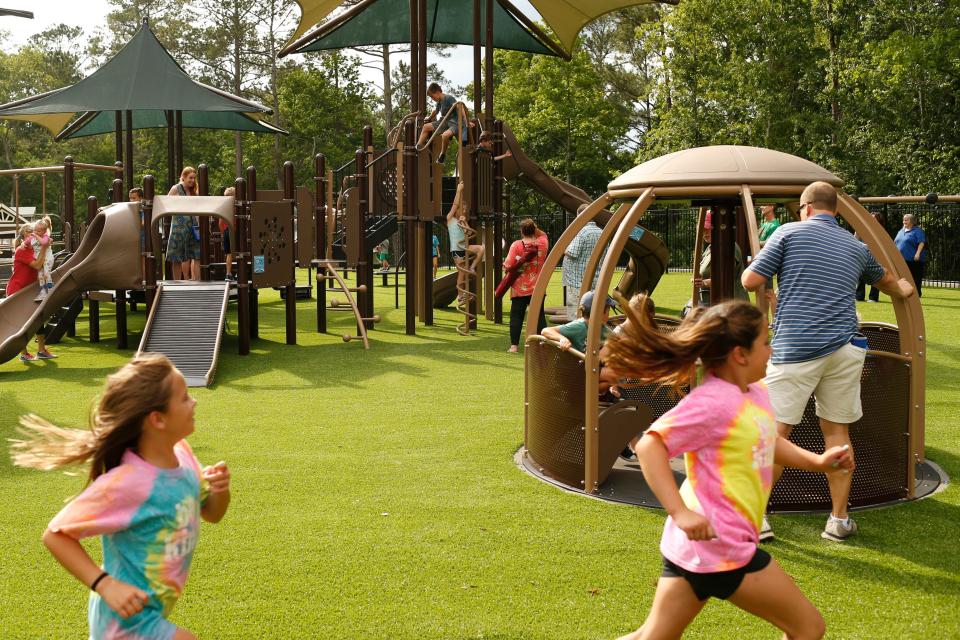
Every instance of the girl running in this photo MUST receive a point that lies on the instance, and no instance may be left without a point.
(145, 496)
(725, 428)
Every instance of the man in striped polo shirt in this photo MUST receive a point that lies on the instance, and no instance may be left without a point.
(817, 346)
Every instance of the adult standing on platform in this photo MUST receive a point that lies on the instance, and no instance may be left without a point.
(521, 291)
(575, 263)
(912, 243)
(817, 345)
(183, 246)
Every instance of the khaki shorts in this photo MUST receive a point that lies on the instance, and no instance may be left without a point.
(834, 381)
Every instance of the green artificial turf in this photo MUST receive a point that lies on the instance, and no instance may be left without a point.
(375, 495)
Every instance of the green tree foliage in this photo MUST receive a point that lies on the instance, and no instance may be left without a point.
(563, 115)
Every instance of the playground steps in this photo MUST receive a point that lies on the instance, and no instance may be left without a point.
(186, 325)
(63, 319)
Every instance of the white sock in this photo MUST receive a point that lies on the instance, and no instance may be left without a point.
(844, 521)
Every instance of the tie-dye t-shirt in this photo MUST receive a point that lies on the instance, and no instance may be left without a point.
(149, 520)
(728, 439)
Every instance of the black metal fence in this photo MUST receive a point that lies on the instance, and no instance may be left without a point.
(941, 224)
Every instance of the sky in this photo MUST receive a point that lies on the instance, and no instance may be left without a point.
(90, 14)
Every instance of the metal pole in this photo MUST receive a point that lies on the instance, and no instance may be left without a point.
(497, 218)
(128, 159)
(488, 98)
(320, 218)
(248, 243)
(93, 306)
(477, 78)
(149, 259)
(291, 307)
(410, 221)
(416, 83)
(422, 55)
(203, 187)
(171, 150)
(243, 274)
(178, 134)
(118, 136)
(68, 210)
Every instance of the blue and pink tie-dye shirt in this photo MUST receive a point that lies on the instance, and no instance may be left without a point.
(149, 519)
(728, 438)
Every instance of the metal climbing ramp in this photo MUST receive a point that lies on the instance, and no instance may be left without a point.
(186, 325)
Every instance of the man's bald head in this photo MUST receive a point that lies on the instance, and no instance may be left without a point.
(821, 195)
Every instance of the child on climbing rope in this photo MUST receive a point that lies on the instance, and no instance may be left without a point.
(573, 335)
(41, 238)
(726, 429)
(145, 497)
(461, 250)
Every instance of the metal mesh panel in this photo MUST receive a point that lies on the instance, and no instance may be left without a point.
(555, 411)
(880, 442)
(881, 336)
(659, 399)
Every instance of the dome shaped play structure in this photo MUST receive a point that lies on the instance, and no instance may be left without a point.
(573, 440)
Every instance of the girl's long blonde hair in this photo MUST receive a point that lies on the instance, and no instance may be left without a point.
(707, 335)
(140, 387)
(196, 186)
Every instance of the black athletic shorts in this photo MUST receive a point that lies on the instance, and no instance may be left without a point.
(458, 254)
(721, 584)
(225, 240)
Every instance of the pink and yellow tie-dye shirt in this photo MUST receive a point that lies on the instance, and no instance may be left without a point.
(728, 439)
(149, 520)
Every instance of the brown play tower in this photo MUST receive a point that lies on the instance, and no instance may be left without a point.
(571, 439)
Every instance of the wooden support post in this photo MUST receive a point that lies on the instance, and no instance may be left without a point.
(203, 187)
(243, 269)
(291, 301)
(426, 271)
(149, 260)
(498, 215)
(320, 250)
(364, 267)
(410, 220)
(121, 318)
(93, 307)
(248, 231)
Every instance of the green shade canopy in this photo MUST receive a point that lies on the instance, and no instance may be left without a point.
(375, 22)
(566, 18)
(143, 78)
(97, 122)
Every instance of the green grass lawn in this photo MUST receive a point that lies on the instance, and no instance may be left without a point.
(375, 495)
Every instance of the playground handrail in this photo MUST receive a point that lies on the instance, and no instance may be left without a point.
(458, 107)
(545, 340)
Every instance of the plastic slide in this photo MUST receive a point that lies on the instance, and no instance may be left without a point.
(108, 258)
(648, 253)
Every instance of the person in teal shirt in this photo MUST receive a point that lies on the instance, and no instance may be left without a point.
(573, 335)
(436, 256)
(769, 224)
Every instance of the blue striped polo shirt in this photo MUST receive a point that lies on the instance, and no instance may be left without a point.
(818, 266)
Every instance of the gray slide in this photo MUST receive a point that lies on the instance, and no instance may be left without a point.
(108, 258)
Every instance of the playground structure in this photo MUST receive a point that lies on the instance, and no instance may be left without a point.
(573, 441)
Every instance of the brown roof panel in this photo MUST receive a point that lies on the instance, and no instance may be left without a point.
(723, 165)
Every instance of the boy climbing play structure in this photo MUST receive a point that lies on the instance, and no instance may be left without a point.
(573, 440)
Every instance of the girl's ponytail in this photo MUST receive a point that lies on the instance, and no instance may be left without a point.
(140, 387)
(640, 350)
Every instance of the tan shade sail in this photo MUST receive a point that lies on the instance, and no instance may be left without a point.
(312, 12)
(567, 17)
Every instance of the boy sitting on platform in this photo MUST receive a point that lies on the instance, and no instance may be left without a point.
(574, 334)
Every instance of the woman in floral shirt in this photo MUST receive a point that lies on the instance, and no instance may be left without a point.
(522, 289)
